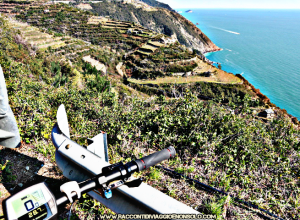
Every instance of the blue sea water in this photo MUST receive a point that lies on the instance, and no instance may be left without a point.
(262, 44)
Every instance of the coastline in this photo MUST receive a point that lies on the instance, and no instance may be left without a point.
(247, 84)
(210, 52)
(266, 70)
(263, 97)
(211, 61)
(268, 102)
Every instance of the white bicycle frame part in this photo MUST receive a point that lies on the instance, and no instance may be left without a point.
(77, 163)
(70, 187)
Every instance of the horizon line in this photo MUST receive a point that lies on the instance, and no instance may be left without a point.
(245, 8)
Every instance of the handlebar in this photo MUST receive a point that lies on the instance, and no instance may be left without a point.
(155, 158)
(119, 172)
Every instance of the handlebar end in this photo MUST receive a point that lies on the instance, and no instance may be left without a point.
(172, 151)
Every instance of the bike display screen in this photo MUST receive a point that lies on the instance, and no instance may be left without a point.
(33, 203)
(28, 206)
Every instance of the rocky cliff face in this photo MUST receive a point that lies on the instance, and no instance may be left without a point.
(155, 3)
(193, 36)
(160, 20)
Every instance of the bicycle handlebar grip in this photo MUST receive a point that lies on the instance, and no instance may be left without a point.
(155, 158)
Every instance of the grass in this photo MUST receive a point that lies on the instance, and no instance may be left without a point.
(55, 44)
(34, 34)
(147, 46)
(156, 43)
(145, 53)
(180, 80)
(39, 38)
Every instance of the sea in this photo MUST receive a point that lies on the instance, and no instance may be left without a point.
(263, 45)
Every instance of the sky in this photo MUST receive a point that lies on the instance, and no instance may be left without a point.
(274, 4)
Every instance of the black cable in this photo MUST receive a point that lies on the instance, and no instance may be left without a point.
(211, 189)
(2, 217)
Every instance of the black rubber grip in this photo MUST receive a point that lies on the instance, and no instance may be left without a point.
(155, 158)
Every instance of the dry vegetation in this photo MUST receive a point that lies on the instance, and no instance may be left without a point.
(180, 80)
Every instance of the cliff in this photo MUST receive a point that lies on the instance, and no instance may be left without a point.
(160, 20)
(193, 35)
(155, 3)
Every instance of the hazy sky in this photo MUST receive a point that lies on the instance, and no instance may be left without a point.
(278, 4)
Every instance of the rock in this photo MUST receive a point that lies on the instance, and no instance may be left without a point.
(190, 50)
(119, 69)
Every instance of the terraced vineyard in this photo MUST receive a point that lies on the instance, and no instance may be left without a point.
(83, 25)
(63, 49)
(123, 38)
(144, 54)
(37, 38)
(14, 7)
(154, 59)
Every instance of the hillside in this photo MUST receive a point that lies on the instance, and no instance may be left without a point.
(152, 93)
(143, 53)
(160, 20)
